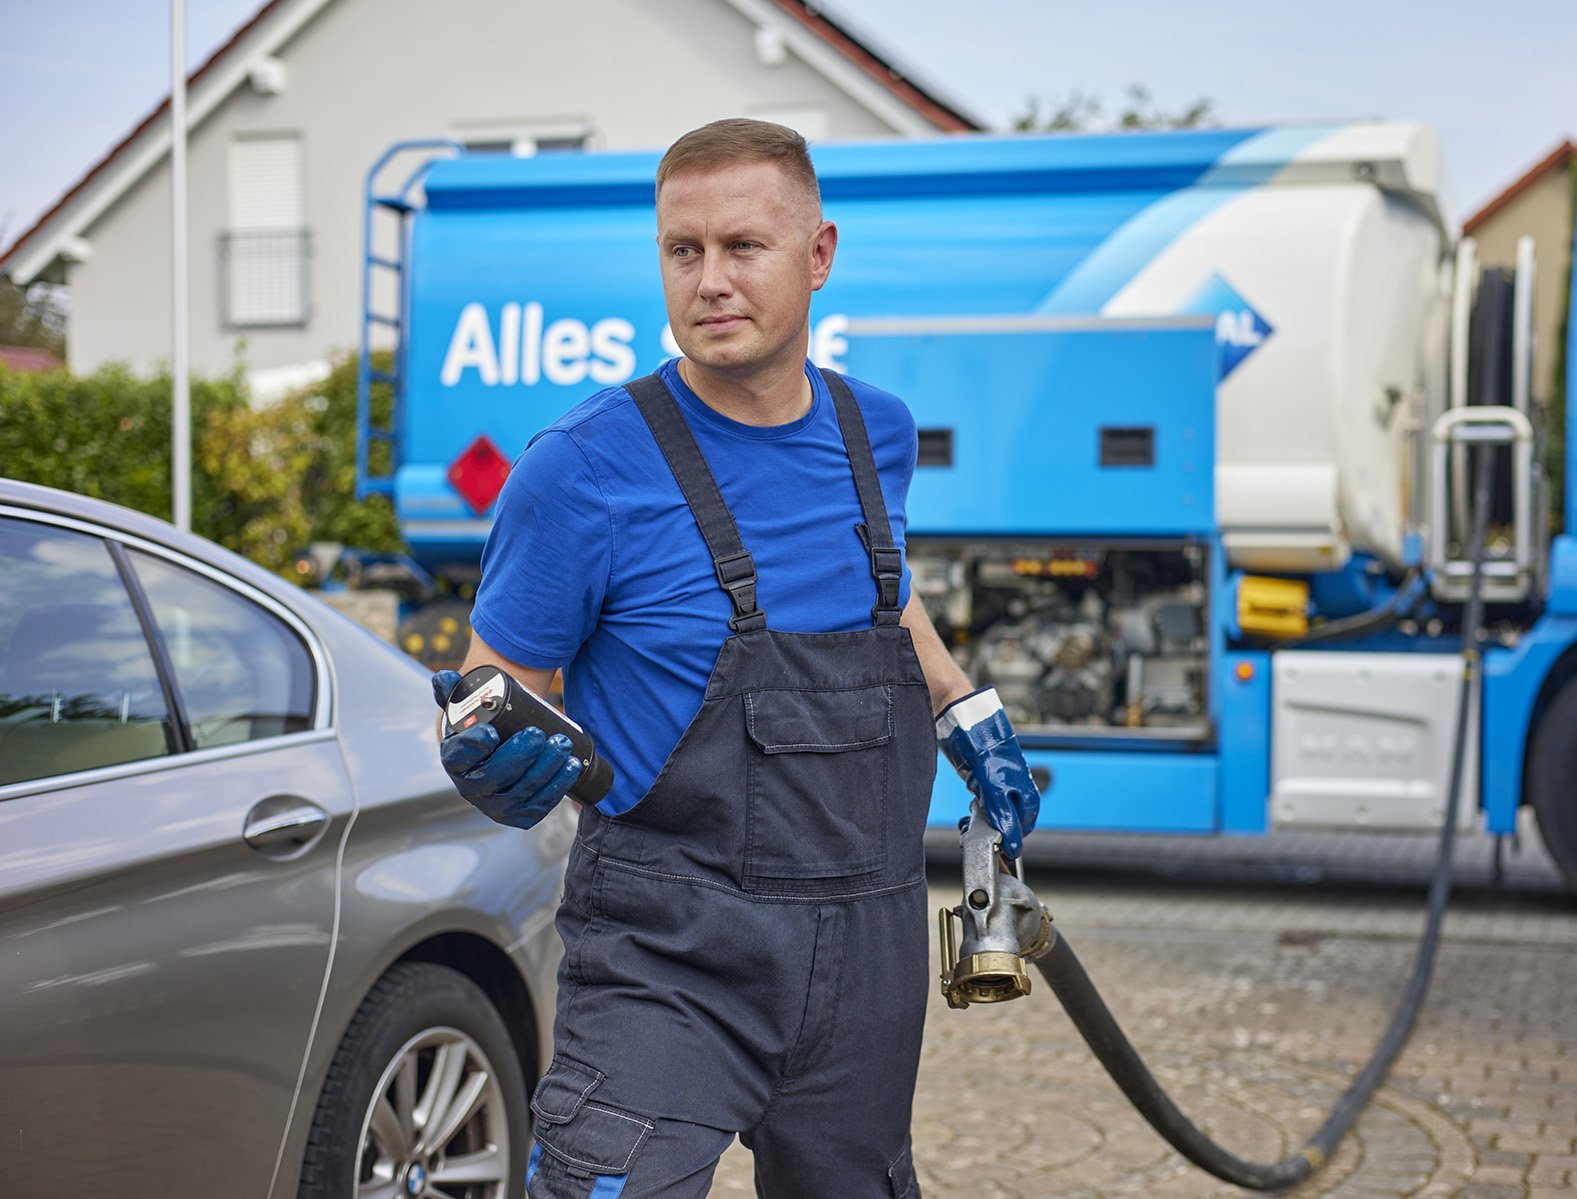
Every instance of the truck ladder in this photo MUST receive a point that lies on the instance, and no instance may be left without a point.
(382, 329)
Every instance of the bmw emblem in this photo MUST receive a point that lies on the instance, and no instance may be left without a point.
(415, 1179)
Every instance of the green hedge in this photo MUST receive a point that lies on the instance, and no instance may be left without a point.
(265, 480)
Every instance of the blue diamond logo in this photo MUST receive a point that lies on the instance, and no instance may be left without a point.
(1239, 329)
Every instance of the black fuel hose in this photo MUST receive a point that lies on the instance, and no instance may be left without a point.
(1103, 1035)
(1399, 606)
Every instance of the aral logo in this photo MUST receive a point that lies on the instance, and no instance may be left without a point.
(1239, 329)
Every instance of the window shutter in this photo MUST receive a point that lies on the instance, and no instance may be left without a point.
(265, 183)
(265, 249)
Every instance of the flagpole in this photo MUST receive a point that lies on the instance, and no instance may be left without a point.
(181, 398)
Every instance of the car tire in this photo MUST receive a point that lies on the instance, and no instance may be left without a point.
(425, 1088)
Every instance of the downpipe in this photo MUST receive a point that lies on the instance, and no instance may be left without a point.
(1002, 927)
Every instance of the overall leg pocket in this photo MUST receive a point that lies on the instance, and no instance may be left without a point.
(584, 1147)
(817, 795)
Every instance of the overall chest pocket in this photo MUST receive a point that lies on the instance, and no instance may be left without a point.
(819, 766)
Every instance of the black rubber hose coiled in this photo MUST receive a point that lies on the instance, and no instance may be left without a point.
(1105, 1037)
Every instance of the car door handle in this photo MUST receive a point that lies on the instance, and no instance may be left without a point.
(284, 820)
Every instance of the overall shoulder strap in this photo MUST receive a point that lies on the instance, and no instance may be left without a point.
(736, 570)
(876, 532)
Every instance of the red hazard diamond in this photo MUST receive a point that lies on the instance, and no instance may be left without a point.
(478, 474)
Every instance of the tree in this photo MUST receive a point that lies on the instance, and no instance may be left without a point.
(329, 483)
(1082, 112)
(34, 316)
(288, 472)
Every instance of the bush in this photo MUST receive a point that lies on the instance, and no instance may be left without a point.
(265, 481)
(107, 435)
(330, 480)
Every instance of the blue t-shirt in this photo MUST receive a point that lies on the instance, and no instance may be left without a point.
(595, 563)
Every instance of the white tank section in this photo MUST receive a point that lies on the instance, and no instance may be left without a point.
(1336, 278)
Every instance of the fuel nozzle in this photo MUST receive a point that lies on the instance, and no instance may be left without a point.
(1003, 923)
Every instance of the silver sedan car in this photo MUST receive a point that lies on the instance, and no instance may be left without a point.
(251, 941)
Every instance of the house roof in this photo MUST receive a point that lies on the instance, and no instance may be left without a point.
(52, 227)
(878, 66)
(1556, 159)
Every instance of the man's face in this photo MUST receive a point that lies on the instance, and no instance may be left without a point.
(742, 249)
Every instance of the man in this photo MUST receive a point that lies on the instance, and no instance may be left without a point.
(713, 554)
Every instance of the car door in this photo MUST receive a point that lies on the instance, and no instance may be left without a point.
(172, 803)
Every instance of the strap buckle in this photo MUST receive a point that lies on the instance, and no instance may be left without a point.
(737, 575)
(887, 568)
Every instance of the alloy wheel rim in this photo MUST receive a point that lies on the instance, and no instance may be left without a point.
(435, 1127)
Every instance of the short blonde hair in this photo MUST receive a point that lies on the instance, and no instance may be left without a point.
(737, 140)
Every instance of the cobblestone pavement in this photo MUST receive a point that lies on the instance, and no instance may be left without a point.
(1253, 1004)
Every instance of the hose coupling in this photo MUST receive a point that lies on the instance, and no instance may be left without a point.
(1000, 925)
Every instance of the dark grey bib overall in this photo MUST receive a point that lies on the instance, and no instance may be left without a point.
(746, 948)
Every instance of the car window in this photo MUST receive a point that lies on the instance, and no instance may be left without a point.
(241, 672)
(78, 687)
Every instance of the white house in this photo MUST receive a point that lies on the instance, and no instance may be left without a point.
(285, 119)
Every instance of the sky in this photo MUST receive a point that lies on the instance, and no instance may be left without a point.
(1497, 79)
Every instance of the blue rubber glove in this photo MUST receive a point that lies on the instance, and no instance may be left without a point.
(516, 783)
(975, 735)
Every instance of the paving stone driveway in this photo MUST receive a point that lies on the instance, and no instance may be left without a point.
(1253, 1004)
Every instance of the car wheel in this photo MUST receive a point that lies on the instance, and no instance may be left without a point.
(424, 1099)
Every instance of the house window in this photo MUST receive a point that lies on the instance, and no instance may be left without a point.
(263, 253)
(526, 140)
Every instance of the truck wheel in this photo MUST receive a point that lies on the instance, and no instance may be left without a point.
(1552, 781)
(425, 1096)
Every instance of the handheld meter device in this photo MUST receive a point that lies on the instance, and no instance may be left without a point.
(487, 695)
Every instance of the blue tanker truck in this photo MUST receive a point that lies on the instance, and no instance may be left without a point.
(1200, 417)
